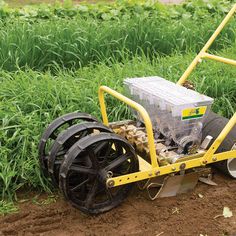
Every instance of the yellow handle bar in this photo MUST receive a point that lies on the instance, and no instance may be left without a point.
(137, 107)
(202, 54)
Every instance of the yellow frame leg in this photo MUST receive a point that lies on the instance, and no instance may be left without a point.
(137, 107)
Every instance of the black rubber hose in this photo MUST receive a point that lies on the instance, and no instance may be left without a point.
(213, 125)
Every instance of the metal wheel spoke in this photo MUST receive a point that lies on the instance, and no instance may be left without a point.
(79, 185)
(119, 149)
(85, 162)
(100, 147)
(117, 162)
(58, 162)
(62, 152)
(93, 158)
(109, 194)
(109, 148)
(81, 169)
(91, 195)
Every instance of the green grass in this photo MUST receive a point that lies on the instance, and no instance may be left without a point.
(22, 3)
(30, 100)
(75, 37)
(79, 42)
(7, 207)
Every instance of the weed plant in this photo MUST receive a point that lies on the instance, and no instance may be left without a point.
(75, 43)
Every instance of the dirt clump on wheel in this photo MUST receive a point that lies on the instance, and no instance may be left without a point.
(199, 212)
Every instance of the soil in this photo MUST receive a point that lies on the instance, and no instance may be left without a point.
(196, 213)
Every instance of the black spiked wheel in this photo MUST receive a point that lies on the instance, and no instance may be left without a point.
(65, 140)
(52, 131)
(86, 167)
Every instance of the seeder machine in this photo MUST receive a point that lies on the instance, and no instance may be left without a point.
(170, 145)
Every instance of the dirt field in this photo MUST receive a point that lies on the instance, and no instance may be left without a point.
(187, 214)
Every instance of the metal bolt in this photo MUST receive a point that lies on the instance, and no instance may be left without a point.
(182, 166)
(150, 174)
(110, 183)
(157, 173)
(214, 159)
(109, 174)
(173, 168)
(204, 162)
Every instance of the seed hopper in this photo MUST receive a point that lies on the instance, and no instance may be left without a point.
(169, 146)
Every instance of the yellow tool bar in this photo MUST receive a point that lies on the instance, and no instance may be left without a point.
(163, 170)
(137, 107)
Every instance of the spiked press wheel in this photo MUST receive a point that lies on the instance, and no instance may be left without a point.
(65, 140)
(86, 167)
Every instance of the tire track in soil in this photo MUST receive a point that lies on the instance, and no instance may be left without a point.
(30, 222)
(186, 214)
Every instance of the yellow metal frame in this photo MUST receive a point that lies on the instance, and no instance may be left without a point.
(205, 158)
(203, 53)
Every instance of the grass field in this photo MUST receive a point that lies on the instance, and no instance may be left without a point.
(20, 3)
(52, 66)
(79, 42)
(17, 3)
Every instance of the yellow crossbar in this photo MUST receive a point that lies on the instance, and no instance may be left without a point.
(201, 54)
(220, 59)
